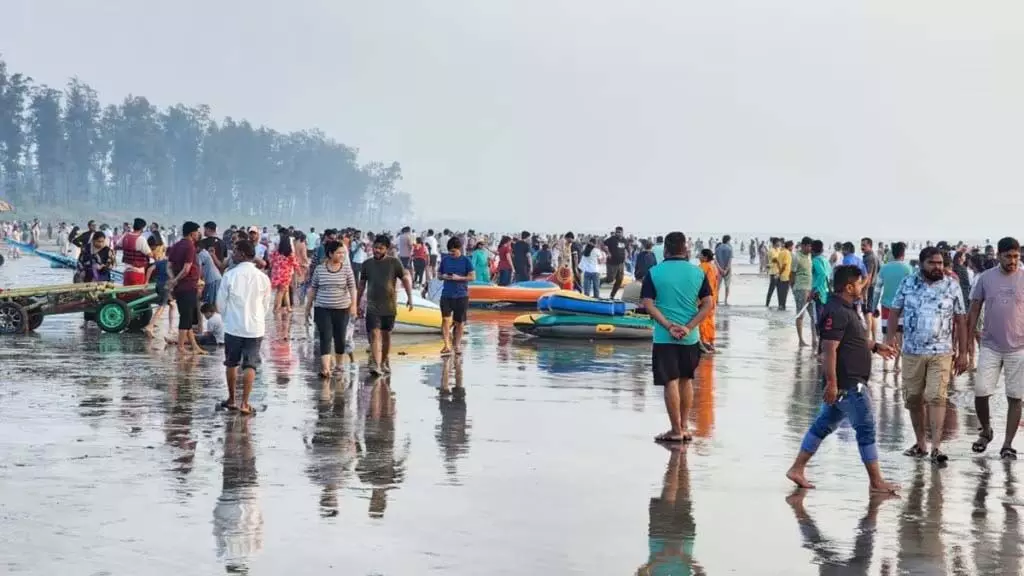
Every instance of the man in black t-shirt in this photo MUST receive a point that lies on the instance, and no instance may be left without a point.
(522, 257)
(846, 367)
(574, 251)
(615, 267)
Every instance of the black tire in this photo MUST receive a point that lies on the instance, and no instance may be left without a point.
(140, 320)
(35, 320)
(1, 259)
(13, 318)
(113, 316)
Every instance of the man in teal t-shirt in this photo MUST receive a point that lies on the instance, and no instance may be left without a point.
(677, 296)
(890, 276)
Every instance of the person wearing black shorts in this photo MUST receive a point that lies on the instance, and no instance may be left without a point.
(457, 272)
(615, 267)
(377, 283)
(677, 295)
(184, 286)
(244, 299)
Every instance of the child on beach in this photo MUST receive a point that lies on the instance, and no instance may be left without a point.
(159, 273)
(214, 335)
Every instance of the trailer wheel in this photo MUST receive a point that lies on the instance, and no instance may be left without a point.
(113, 316)
(140, 320)
(35, 320)
(13, 318)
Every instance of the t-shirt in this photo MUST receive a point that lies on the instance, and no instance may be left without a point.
(616, 246)
(209, 270)
(460, 266)
(841, 323)
(404, 246)
(659, 252)
(335, 289)
(521, 253)
(219, 247)
(503, 256)
(432, 245)
(1003, 295)
(215, 326)
(870, 263)
(773, 261)
(928, 314)
(380, 276)
(802, 272)
(184, 251)
(723, 255)
(854, 260)
(785, 260)
(891, 275)
(820, 273)
(677, 286)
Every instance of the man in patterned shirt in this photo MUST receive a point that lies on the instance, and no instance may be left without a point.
(932, 307)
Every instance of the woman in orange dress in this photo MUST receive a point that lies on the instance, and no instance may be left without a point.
(707, 326)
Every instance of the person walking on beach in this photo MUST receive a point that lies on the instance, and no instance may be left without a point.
(184, 286)
(890, 276)
(803, 282)
(244, 298)
(723, 259)
(677, 295)
(333, 298)
(615, 268)
(846, 368)
(934, 320)
(772, 259)
(457, 272)
(377, 283)
(1000, 291)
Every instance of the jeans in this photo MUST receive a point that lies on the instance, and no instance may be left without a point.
(592, 280)
(854, 406)
(773, 283)
(783, 293)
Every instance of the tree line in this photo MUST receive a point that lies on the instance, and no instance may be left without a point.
(64, 148)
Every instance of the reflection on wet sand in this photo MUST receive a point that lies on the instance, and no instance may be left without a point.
(920, 524)
(996, 549)
(181, 399)
(332, 446)
(378, 464)
(237, 517)
(704, 397)
(671, 531)
(452, 432)
(826, 555)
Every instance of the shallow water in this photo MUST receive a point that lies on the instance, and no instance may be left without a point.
(113, 460)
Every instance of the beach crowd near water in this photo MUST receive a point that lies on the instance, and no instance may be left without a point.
(932, 311)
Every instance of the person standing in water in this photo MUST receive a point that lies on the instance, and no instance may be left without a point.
(846, 368)
(707, 326)
(1000, 291)
(457, 272)
(723, 259)
(244, 298)
(677, 295)
(890, 276)
(377, 284)
(803, 282)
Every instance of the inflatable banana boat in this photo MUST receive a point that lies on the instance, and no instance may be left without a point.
(523, 294)
(424, 318)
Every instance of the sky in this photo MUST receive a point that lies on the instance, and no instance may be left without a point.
(863, 117)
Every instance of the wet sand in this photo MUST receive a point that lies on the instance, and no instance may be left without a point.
(540, 460)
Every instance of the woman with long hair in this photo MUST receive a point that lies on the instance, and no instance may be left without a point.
(282, 268)
(332, 299)
(707, 326)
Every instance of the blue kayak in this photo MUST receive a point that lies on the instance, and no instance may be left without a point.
(569, 302)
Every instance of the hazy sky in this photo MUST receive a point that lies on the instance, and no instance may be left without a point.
(881, 116)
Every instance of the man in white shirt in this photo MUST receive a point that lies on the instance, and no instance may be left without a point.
(244, 299)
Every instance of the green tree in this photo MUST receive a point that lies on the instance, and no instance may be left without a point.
(14, 89)
(47, 136)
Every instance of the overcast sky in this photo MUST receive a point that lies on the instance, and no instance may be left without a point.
(714, 115)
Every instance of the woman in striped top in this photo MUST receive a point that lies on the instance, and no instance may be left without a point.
(333, 301)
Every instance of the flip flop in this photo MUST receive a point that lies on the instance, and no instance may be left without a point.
(1008, 453)
(225, 405)
(981, 443)
(249, 412)
(668, 438)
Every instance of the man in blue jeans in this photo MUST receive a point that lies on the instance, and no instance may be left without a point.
(846, 367)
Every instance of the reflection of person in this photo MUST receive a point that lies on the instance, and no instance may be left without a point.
(825, 554)
(332, 445)
(378, 465)
(452, 432)
(991, 555)
(237, 518)
(921, 550)
(672, 530)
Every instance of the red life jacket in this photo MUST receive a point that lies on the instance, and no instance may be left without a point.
(130, 255)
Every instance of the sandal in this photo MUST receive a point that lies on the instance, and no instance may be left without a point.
(667, 437)
(915, 451)
(225, 405)
(247, 411)
(1008, 453)
(939, 457)
(981, 443)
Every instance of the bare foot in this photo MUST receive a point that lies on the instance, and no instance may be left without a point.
(803, 344)
(797, 477)
(885, 488)
(200, 352)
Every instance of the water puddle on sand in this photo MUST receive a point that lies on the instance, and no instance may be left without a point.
(522, 457)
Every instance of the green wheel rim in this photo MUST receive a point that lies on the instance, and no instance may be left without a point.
(112, 316)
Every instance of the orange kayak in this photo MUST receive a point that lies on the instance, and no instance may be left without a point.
(520, 294)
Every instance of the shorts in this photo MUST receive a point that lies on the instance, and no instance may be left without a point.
(405, 261)
(163, 296)
(188, 309)
(885, 321)
(674, 362)
(869, 304)
(725, 279)
(927, 376)
(242, 351)
(800, 298)
(454, 308)
(991, 363)
(379, 322)
(210, 292)
(433, 260)
(615, 273)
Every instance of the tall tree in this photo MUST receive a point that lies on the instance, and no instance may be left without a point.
(14, 90)
(82, 132)
(47, 136)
